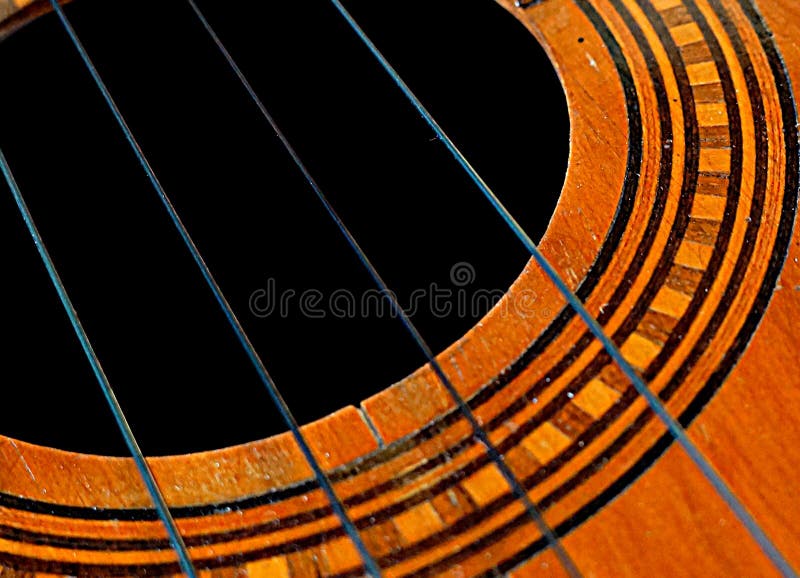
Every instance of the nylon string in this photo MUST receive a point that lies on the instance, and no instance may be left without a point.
(105, 385)
(369, 562)
(673, 426)
(516, 487)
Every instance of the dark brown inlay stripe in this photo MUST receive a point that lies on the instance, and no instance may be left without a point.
(715, 175)
(708, 93)
(715, 136)
(522, 462)
(696, 52)
(684, 279)
(676, 16)
(656, 326)
(714, 185)
(702, 231)
(572, 420)
(453, 504)
(613, 377)
(383, 538)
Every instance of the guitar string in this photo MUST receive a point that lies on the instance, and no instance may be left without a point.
(516, 487)
(673, 426)
(370, 564)
(105, 385)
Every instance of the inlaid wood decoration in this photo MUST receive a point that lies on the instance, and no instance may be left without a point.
(675, 229)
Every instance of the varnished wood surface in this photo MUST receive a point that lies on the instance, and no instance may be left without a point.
(674, 225)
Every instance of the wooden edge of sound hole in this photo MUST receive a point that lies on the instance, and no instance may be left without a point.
(573, 241)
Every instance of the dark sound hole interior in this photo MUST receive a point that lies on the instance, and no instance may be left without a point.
(301, 294)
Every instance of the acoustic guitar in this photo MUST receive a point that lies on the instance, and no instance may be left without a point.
(629, 407)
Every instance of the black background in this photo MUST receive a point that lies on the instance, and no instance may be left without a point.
(179, 373)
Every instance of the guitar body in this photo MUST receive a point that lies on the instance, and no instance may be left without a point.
(676, 226)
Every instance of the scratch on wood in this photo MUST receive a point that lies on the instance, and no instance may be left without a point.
(22, 459)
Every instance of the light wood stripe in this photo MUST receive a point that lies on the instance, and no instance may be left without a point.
(709, 207)
(671, 302)
(686, 34)
(715, 160)
(269, 568)
(702, 73)
(694, 255)
(639, 351)
(485, 485)
(546, 442)
(596, 398)
(419, 522)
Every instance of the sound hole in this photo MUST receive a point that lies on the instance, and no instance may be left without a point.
(304, 299)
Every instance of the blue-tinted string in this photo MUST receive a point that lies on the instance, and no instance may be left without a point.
(141, 464)
(337, 506)
(479, 432)
(674, 427)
